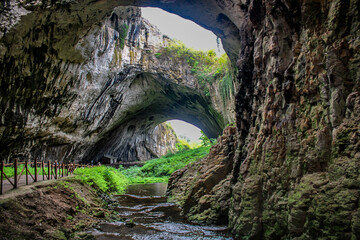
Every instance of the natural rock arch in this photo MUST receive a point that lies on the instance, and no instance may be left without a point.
(155, 99)
(86, 90)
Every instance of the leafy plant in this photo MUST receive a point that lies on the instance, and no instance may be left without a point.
(205, 140)
(159, 170)
(182, 145)
(108, 179)
(206, 66)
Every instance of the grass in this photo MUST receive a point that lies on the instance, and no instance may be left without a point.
(112, 180)
(160, 169)
(9, 171)
(108, 179)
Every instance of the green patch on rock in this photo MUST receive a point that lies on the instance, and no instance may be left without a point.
(122, 34)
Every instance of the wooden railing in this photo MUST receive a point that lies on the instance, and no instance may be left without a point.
(47, 170)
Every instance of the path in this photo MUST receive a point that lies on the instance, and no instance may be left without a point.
(21, 182)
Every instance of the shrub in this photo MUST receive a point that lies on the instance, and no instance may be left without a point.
(182, 145)
(160, 169)
(108, 179)
(206, 66)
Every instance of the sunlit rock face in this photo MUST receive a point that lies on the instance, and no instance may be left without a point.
(104, 94)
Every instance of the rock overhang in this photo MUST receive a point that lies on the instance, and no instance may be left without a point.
(82, 99)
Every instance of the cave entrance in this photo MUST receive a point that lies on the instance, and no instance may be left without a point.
(169, 137)
(151, 100)
(178, 28)
(161, 86)
(186, 131)
(99, 100)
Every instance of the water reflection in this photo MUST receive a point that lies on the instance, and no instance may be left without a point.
(150, 189)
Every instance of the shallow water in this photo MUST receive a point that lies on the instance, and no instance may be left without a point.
(151, 189)
(146, 215)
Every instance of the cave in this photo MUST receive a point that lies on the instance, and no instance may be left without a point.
(157, 100)
(93, 92)
(289, 168)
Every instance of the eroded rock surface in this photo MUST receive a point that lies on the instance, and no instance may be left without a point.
(296, 168)
(203, 187)
(77, 88)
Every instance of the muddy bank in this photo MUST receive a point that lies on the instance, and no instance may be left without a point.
(56, 210)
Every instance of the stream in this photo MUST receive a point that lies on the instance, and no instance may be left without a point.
(147, 215)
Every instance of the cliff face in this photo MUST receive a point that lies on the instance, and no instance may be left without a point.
(78, 88)
(296, 168)
(203, 187)
(295, 171)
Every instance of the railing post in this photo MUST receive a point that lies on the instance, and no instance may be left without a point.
(49, 170)
(56, 169)
(36, 172)
(26, 172)
(1, 177)
(15, 173)
(43, 169)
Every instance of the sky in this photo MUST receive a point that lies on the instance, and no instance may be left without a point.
(193, 36)
(185, 129)
(179, 28)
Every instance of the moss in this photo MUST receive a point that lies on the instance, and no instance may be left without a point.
(206, 216)
(331, 213)
(83, 236)
(56, 235)
(342, 142)
(122, 34)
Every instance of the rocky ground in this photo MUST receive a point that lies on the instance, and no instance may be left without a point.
(55, 210)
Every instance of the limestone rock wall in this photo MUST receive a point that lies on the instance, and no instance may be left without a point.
(296, 167)
(203, 187)
(77, 87)
(162, 141)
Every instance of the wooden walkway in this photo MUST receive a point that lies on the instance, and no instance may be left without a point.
(43, 171)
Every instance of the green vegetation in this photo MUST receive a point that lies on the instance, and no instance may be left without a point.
(182, 145)
(206, 141)
(159, 170)
(9, 171)
(108, 179)
(122, 34)
(111, 180)
(206, 66)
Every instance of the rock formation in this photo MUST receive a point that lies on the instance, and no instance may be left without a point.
(104, 94)
(203, 187)
(296, 168)
(297, 160)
